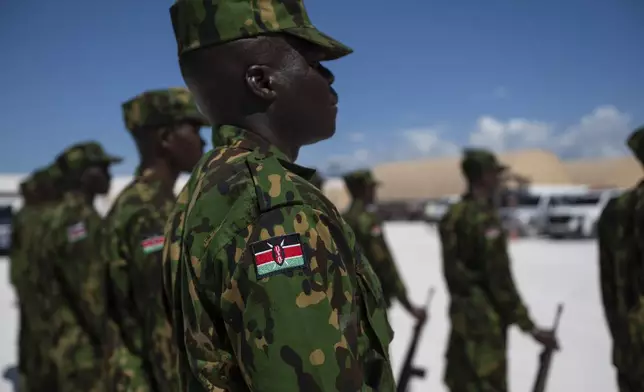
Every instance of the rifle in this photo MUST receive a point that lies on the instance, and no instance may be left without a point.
(545, 358)
(409, 370)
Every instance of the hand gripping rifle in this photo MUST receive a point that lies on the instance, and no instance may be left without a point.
(545, 358)
(409, 370)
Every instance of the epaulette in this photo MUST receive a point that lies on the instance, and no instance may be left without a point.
(274, 185)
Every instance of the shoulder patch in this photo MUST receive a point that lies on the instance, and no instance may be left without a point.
(76, 232)
(152, 244)
(278, 254)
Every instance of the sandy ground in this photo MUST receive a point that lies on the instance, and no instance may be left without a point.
(546, 273)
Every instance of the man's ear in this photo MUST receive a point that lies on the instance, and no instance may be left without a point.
(261, 80)
(165, 137)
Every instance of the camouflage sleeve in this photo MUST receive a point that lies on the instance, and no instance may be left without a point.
(500, 282)
(146, 245)
(458, 278)
(80, 271)
(285, 288)
(381, 259)
(606, 230)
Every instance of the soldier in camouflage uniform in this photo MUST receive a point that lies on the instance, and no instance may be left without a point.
(39, 302)
(268, 288)
(72, 252)
(364, 221)
(484, 300)
(22, 223)
(621, 272)
(165, 125)
(35, 365)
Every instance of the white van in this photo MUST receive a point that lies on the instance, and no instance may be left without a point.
(530, 214)
(577, 215)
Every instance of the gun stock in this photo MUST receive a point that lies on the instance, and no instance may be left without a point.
(409, 370)
(545, 358)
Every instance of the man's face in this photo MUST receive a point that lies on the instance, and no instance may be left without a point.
(492, 179)
(185, 146)
(370, 193)
(306, 103)
(96, 179)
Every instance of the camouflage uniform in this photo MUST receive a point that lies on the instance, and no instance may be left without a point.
(368, 228)
(484, 300)
(39, 300)
(23, 222)
(74, 264)
(620, 259)
(242, 311)
(146, 357)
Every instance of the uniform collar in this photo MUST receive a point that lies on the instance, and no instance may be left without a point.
(149, 177)
(485, 202)
(235, 137)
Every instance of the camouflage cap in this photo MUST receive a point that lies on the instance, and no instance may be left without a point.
(477, 161)
(636, 143)
(201, 23)
(82, 155)
(360, 178)
(29, 184)
(54, 172)
(157, 108)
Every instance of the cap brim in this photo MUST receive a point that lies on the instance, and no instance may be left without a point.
(333, 48)
(113, 159)
(501, 168)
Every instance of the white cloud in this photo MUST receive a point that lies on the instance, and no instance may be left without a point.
(602, 133)
(428, 142)
(357, 137)
(514, 133)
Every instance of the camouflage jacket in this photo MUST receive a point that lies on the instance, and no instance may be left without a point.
(41, 304)
(617, 266)
(71, 258)
(268, 288)
(477, 266)
(132, 248)
(22, 226)
(368, 229)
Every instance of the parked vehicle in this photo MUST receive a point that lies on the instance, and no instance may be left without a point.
(527, 210)
(575, 216)
(5, 230)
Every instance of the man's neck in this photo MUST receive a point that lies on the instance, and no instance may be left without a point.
(481, 194)
(162, 170)
(86, 195)
(260, 126)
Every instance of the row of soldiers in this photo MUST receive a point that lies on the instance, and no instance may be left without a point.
(254, 281)
(92, 311)
(103, 291)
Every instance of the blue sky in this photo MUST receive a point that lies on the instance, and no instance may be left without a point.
(426, 78)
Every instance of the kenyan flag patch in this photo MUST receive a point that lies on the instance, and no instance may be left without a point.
(278, 254)
(152, 244)
(76, 232)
